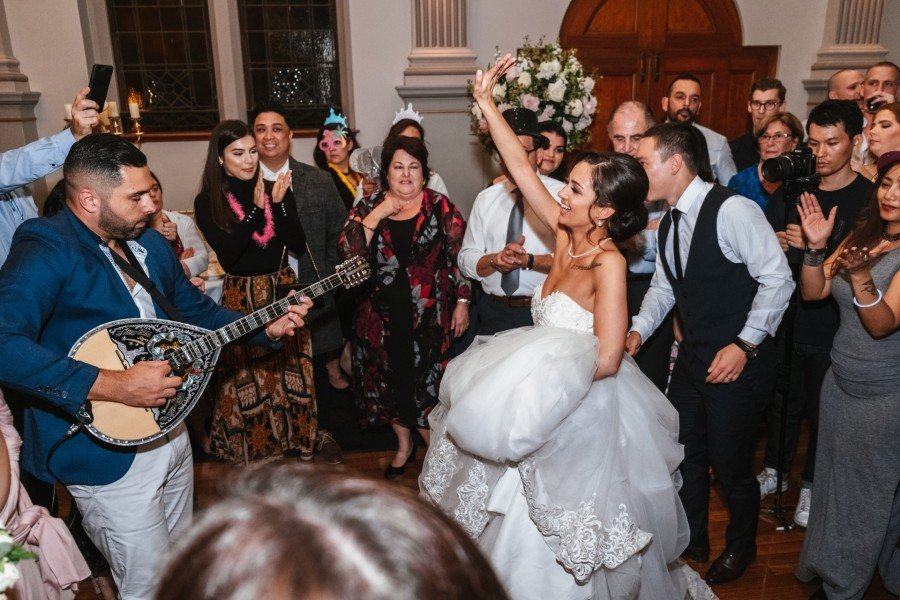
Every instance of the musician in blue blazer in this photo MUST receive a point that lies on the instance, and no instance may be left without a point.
(59, 282)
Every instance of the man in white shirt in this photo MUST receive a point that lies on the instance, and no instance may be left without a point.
(506, 247)
(682, 105)
(722, 265)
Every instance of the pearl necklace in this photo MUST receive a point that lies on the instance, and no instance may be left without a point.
(583, 254)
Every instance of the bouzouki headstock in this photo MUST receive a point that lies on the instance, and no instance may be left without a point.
(353, 271)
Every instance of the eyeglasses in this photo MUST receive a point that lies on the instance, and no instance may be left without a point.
(768, 104)
(775, 137)
(330, 140)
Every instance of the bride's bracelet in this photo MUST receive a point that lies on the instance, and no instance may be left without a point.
(871, 304)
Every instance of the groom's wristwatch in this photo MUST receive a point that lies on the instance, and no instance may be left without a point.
(750, 351)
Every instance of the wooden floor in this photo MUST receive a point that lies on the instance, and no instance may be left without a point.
(770, 577)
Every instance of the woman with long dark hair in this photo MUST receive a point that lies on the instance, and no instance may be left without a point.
(854, 522)
(334, 143)
(550, 447)
(265, 404)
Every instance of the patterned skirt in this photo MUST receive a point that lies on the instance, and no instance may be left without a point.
(265, 402)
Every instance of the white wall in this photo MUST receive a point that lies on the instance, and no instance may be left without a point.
(46, 38)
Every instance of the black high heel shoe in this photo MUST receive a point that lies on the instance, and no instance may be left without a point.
(390, 471)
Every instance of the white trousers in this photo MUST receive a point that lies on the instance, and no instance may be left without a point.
(134, 520)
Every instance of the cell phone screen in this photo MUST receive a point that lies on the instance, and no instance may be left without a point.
(101, 75)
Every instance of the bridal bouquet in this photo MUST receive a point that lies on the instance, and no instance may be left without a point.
(550, 81)
(10, 554)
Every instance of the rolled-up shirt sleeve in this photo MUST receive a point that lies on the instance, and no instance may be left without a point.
(745, 236)
(474, 245)
(657, 303)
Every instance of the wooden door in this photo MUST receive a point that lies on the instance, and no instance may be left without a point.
(638, 46)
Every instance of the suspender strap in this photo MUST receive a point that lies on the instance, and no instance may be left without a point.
(132, 268)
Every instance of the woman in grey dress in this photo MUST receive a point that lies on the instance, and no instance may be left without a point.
(854, 523)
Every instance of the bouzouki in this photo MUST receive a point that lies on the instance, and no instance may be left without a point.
(191, 351)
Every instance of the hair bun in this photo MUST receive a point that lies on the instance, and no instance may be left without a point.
(625, 224)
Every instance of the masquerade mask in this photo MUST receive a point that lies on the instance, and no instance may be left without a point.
(335, 139)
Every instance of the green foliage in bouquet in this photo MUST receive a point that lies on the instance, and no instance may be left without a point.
(550, 81)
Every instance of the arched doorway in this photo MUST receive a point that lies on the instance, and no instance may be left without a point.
(637, 46)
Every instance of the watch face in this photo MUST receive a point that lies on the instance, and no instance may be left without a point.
(752, 353)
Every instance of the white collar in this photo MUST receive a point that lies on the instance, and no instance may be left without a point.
(273, 175)
(694, 192)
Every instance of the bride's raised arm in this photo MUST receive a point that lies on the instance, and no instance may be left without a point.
(510, 148)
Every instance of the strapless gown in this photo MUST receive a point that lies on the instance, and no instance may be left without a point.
(569, 485)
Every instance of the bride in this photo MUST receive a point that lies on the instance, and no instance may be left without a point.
(549, 445)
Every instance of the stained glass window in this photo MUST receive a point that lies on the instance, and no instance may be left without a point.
(163, 56)
(290, 52)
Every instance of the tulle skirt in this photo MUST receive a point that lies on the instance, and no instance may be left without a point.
(568, 484)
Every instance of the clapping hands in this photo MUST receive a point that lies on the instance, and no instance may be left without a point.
(279, 188)
(815, 226)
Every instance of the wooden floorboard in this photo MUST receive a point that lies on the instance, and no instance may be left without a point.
(770, 577)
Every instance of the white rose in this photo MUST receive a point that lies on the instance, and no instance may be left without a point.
(476, 112)
(588, 84)
(548, 69)
(499, 91)
(524, 80)
(567, 125)
(575, 108)
(9, 575)
(6, 543)
(556, 91)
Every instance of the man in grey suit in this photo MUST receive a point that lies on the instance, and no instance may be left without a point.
(323, 216)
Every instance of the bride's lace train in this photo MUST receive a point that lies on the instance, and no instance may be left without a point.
(550, 470)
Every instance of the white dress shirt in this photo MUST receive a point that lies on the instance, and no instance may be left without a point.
(719, 155)
(190, 238)
(744, 236)
(139, 294)
(486, 234)
(643, 260)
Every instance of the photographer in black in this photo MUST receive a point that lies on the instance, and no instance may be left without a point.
(834, 129)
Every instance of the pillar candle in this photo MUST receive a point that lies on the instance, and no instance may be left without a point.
(113, 109)
(133, 110)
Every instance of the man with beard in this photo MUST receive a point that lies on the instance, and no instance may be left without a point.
(682, 105)
(62, 279)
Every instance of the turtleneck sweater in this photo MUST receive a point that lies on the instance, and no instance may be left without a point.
(238, 253)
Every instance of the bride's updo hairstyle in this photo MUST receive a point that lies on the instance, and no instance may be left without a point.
(621, 182)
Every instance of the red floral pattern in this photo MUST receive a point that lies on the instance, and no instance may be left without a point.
(436, 283)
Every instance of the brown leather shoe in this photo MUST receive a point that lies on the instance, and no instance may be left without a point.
(730, 565)
(329, 448)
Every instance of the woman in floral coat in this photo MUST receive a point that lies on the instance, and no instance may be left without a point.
(416, 301)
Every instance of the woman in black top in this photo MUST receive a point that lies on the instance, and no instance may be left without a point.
(264, 400)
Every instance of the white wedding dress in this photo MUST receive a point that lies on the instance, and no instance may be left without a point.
(569, 485)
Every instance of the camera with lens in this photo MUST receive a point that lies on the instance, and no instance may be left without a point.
(796, 170)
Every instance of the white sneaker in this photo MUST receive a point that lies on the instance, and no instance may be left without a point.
(801, 514)
(767, 479)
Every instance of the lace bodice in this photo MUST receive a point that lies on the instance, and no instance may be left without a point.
(559, 310)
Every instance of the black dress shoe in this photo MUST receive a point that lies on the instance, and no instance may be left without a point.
(730, 565)
(696, 552)
(390, 471)
(819, 594)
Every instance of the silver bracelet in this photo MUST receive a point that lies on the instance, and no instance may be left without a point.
(870, 305)
(463, 301)
(813, 259)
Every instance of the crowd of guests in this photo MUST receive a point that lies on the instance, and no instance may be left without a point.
(711, 301)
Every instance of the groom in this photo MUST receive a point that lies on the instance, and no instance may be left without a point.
(720, 263)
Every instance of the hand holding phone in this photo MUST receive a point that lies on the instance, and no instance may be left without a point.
(101, 75)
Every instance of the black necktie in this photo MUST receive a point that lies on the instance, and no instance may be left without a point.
(509, 282)
(676, 244)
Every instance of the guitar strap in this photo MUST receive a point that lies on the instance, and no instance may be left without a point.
(132, 268)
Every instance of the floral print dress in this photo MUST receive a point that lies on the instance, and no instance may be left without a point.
(392, 386)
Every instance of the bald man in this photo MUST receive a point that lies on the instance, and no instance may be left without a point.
(626, 127)
(846, 84)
